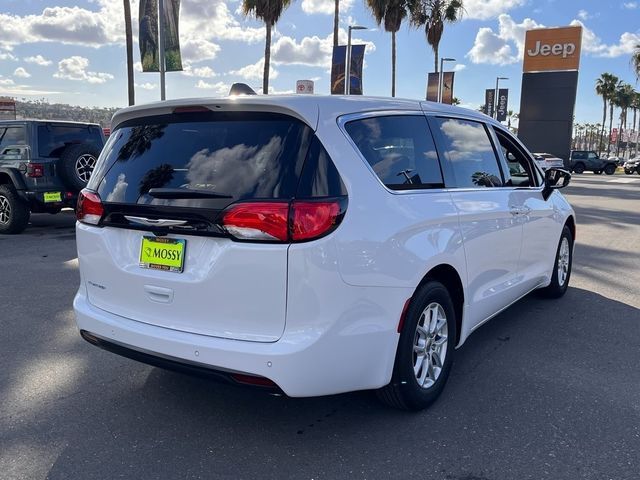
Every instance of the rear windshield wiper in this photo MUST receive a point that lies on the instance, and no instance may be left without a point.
(177, 193)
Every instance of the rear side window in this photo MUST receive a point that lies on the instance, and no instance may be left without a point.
(579, 155)
(468, 150)
(53, 139)
(235, 155)
(12, 136)
(400, 150)
(319, 177)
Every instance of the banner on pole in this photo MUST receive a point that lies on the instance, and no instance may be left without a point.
(489, 101)
(432, 87)
(447, 87)
(148, 35)
(338, 69)
(503, 104)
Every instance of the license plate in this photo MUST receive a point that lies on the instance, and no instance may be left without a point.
(50, 197)
(162, 253)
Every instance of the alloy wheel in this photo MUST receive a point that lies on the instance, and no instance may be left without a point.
(430, 345)
(84, 166)
(564, 258)
(5, 210)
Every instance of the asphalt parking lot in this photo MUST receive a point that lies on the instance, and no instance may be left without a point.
(548, 389)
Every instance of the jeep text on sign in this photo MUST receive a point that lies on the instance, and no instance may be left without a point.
(552, 49)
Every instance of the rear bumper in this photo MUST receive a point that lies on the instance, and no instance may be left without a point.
(303, 363)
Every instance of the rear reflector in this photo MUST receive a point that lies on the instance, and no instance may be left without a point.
(89, 209)
(253, 380)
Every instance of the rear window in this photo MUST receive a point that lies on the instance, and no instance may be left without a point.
(53, 139)
(399, 149)
(235, 155)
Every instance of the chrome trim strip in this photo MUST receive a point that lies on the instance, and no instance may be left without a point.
(155, 222)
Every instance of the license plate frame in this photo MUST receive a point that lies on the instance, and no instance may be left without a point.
(151, 253)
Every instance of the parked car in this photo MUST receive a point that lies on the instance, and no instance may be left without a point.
(583, 160)
(43, 166)
(619, 161)
(632, 165)
(313, 245)
(546, 161)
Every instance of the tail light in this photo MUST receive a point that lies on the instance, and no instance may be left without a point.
(89, 209)
(282, 221)
(35, 170)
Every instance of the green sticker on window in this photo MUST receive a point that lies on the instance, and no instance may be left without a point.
(52, 197)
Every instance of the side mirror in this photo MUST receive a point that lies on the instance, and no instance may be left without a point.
(555, 178)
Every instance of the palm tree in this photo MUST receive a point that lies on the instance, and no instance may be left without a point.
(635, 60)
(606, 87)
(129, 41)
(336, 22)
(624, 98)
(391, 13)
(612, 97)
(635, 105)
(269, 11)
(432, 14)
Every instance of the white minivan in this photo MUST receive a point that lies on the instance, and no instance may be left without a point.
(313, 245)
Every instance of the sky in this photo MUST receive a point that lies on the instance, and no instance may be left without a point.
(72, 51)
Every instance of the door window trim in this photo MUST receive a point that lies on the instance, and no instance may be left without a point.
(523, 151)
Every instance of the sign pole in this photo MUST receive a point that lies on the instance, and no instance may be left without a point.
(162, 66)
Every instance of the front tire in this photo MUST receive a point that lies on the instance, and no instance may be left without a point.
(14, 213)
(562, 266)
(425, 350)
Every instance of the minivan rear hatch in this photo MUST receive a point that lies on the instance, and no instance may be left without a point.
(160, 257)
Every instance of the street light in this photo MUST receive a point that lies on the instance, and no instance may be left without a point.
(347, 63)
(441, 79)
(495, 97)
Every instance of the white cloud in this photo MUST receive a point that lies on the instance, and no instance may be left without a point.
(146, 86)
(219, 88)
(459, 67)
(198, 50)
(199, 72)
(137, 66)
(583, 15)
(75, 68)
(7, 56)
(255, 71)
(325, 6)
(38, 60)
(592, 44)
(6, 81)
(310, 51)
(21, 73)
(486, 9)
(630, 5)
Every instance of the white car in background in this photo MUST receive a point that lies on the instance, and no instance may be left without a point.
(546, 161)
(313, 245)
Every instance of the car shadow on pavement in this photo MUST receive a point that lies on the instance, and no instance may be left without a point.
(541, 377)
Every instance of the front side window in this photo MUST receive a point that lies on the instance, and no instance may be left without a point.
(521, 171)
(399, 149)
(467, 148)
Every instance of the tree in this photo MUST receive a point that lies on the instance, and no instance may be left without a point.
(635, 60)
(129, 42)
(624, 98)
(269, 11)
(432, 14)
(336, 22)
(391, 13)
(606, 87)
(612, 103)
(635, 105)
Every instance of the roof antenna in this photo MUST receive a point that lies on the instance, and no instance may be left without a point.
(241, 89)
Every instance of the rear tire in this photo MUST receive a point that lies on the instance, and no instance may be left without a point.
(561, 267)
(425, 350)
(578, 168)
(610, 169)
(14, 213)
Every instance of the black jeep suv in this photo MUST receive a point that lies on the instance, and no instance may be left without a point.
(582, 160)
(43, 166)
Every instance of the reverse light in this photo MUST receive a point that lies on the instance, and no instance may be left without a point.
(89, 209)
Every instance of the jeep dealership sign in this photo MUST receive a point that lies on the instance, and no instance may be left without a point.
(552, 49)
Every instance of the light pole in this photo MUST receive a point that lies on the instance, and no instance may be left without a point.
(347, 62)
(495, 97)
(441, 79)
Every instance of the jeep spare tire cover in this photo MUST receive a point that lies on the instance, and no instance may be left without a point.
(77, 163)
